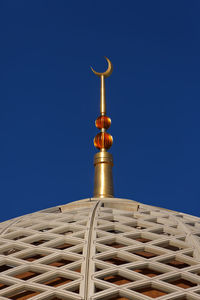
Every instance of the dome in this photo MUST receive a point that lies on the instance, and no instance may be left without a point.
(101, 248)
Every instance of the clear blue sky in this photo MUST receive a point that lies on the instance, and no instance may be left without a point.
(49, 100)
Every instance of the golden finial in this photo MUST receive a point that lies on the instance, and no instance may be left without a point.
(103, 161)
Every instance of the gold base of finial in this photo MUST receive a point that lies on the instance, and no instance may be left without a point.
(103, 180)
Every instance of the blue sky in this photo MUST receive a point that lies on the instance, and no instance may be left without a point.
(49, 100)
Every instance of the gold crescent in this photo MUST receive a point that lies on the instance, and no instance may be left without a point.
(108, 72)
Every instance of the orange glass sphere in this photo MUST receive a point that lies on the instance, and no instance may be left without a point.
(103, 140)
(103, 122)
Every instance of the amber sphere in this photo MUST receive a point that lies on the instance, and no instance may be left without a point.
(103, 122)
(103, 140)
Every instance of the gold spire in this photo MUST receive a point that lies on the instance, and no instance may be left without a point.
(103, 161)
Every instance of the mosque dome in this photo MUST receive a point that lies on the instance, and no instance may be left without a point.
(101, 248)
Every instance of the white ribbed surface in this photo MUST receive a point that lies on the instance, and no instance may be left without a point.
(148, 238)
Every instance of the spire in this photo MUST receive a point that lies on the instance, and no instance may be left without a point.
(103, 160)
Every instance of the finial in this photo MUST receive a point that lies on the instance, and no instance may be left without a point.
(103, 161)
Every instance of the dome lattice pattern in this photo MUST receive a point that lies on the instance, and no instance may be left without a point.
(101, 249)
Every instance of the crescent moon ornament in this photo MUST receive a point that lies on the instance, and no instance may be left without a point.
(107, 73)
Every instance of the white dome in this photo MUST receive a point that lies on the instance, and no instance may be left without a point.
(101, 249)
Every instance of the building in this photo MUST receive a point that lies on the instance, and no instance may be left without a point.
(102, 247)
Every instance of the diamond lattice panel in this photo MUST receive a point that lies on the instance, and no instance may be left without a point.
(42, 254)
(144, 253)
(100, 249)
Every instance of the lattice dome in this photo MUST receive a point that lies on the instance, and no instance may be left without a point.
(101, 249)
